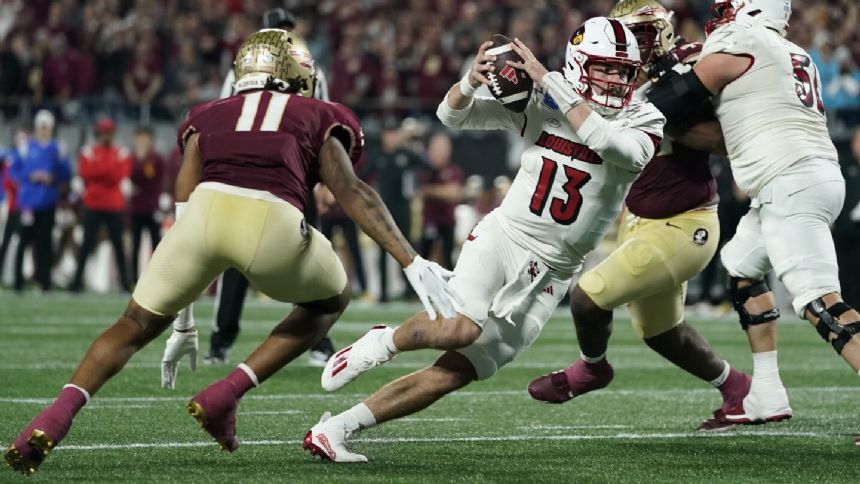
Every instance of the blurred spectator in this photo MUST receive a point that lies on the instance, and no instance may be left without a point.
(41, 170)
(7, 192)
(103, 167)
(332, 216)
(142, 80)
(441, 191)
(15, 62)
(395, 168)
(147, 183)
(846, 230)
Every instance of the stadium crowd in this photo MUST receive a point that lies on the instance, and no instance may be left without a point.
(103, 63)
(157, 58)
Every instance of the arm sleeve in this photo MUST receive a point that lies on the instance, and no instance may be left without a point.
(481, 113)
(627, 147)
(345, 127)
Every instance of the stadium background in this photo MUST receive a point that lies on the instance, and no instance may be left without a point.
(145, 62)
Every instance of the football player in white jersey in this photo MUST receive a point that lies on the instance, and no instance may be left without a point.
(765, 90)
(587, 140)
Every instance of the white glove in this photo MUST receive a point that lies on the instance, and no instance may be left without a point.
(178, 345)
(429, 280)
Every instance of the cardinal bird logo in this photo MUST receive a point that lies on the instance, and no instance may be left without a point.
(510, 74)
(533, 270)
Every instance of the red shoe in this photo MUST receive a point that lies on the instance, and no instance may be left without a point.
(215, 411)
(575, 380)
(30, 449)
(735, 388)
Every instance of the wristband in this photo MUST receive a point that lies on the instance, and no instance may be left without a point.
(466, 88)
(561, 91)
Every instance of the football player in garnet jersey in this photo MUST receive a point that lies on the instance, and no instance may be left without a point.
(587, 139)
(669, 232)
(766, 91)
(251, 160)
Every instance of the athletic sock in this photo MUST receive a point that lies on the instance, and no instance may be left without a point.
(592, 359)
(387, 340)
(718, 381)
(766, 370)
(72, 398)
(242, 379)
(358, 417)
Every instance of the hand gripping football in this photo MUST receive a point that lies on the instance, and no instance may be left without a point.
(511, 86)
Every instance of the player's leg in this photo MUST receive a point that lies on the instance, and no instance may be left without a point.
(653, 259)
(231, 300)
(288, 262)
(42, 248)
(137, 226)
(26, 233)
(800, 245)
(404, 396)
(91, 226)
(179, 271)
(480, 273)
(114, 226)
(659, 320)
(746, 261)
(503, 338)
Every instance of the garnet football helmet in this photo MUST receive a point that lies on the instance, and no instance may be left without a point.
(650, 23)
(602, 41)
(274, 59)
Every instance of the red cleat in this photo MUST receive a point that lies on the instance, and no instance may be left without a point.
(215, 410)
(575, 380)
(733, 390)
(32, 446)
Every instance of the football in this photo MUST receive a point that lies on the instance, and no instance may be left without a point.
(511, 86)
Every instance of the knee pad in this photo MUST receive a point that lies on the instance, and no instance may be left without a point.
(827, 323)
(740, 295)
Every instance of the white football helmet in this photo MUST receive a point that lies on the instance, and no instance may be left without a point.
(770, 13)
(606, 41)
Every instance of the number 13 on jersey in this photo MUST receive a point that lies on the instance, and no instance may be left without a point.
(563, 211)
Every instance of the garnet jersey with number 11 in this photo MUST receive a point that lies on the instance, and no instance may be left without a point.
(267, 140)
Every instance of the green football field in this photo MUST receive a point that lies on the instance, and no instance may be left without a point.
(640, 429)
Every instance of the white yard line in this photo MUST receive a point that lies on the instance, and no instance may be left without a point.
(468, 394)
(489, 438)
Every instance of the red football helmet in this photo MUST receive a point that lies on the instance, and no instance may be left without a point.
(773, 14)
(608, 42)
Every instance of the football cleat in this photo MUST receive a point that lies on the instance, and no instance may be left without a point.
(321, 352)
(33, 445)
(215, 410)
(735, 388)
(575, 380)
(27, 458)
(760, 407)
(857, 441)
(327, 440)
(347, 364)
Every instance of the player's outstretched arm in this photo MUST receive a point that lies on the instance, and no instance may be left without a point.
(363, 205)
